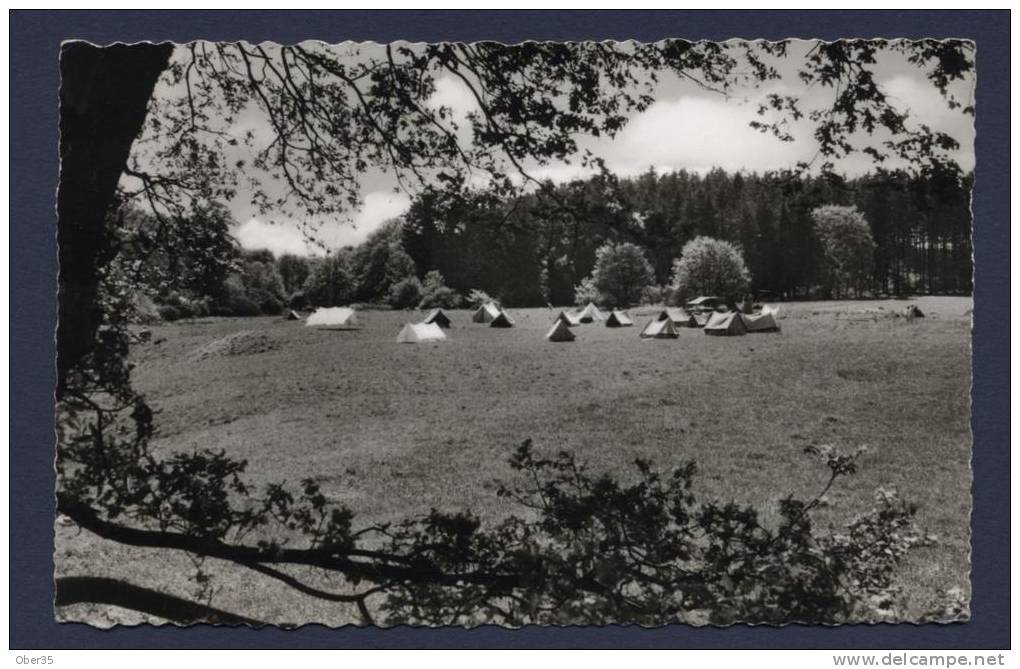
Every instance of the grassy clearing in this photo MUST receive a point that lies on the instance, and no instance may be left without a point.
(392, 430)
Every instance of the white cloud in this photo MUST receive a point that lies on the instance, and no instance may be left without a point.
(699, 133)
(309, 237)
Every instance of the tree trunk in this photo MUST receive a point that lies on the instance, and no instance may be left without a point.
(104, 96)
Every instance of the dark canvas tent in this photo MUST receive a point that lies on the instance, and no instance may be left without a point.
(502, 321)
(570, 319)
(763, 322)
(680, 318)
(618, 319)
(485, 313)
(560, 332)
(660, 330)
(725, 324)
(439, 317)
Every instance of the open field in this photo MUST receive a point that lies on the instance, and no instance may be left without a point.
(392, 430)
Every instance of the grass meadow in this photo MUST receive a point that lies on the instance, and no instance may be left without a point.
(393, 430)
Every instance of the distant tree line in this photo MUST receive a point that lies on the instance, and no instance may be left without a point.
(657, 237)
(539, 248)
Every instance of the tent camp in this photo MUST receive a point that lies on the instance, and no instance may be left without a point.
(570, 319)
(333, 317)
(590, 313)
(559, 332)
(439, 317)
(415, 333)
(760, 322)
(618, 319)
(292, 316)
(502, 320)
(486, 313)
(680, 318)
(725, 323)
(660, 330)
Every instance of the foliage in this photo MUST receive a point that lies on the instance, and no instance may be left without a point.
(330, 283)
(435, 293)
(297, 300)
(263, 283)
(586, 292)
(478, 297)
(621, 273)
(293, 271)
(192, 254)
(234, 299)
(849, 248)
(711, 267)
(380, 262)
(475, 239)
(406, 293)
(653, 294)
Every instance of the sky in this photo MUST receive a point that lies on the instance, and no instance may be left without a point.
(687, 127)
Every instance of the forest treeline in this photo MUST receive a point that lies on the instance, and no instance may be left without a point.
(536, 249)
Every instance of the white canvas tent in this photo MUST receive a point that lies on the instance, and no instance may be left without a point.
(657, 329)
(768, 309)
(486, 313)
(415, 333)
(680, 318)
(590, 313)
(333, 317)
(439, 317)
(560, 332)
(730, 323)
(704, 303)
(618, 319)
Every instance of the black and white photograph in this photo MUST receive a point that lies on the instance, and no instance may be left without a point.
(546, 333)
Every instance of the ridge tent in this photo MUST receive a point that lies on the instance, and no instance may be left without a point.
(680, 318)
(292, 316)
(763, 322)
(618, 319)
(659, 330)
(705, 303)
(560, 332)
(729, 323)
(439, 317)
(570, 319)
(332, 317)
(415, 333)
(700, 320)
(502, 320)
(486, 313)
(590, 313)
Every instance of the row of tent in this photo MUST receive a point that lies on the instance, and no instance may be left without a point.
(665, 325)
(717, 323)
